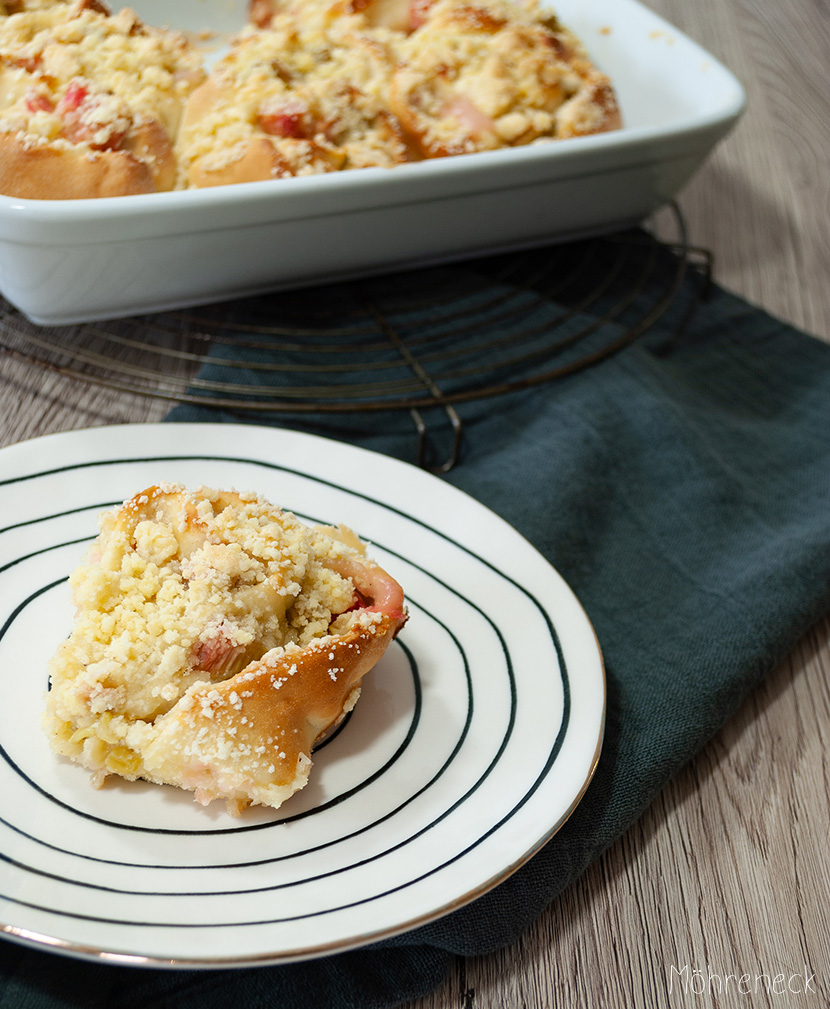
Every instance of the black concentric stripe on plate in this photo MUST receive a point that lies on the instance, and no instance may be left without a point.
(282, 820)
(277, 822)
(56, 515)
(342, 907)
(156, 830)
(552, 631)
(297, 854)
(266, 861)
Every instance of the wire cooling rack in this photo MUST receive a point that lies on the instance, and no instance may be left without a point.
(433, 337)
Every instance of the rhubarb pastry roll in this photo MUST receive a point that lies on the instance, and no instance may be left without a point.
(292, 100)
(90, 103)
(216, 640)
(475, 76)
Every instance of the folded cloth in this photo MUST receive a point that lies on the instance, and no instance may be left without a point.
(680, 486)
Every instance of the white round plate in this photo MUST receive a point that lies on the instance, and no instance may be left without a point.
(473, 741)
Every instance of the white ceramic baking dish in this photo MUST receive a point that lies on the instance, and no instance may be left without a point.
(70, 261)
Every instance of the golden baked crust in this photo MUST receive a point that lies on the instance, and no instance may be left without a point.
(90, 102)
(399, 15)
(217, 638)
(486, 74)
(292, 99)
(144, 164)
(323, 85)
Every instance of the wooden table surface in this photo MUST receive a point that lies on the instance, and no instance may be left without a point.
(728, 870)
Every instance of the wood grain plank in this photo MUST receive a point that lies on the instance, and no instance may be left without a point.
(762, 203)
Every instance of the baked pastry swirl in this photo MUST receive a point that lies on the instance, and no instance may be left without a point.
(295, 98)
(90, 102)
(479, 76)
(217, 639)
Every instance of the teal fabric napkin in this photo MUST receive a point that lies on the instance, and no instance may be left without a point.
(681, 487)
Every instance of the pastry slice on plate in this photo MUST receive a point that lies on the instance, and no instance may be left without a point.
(217, 639)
